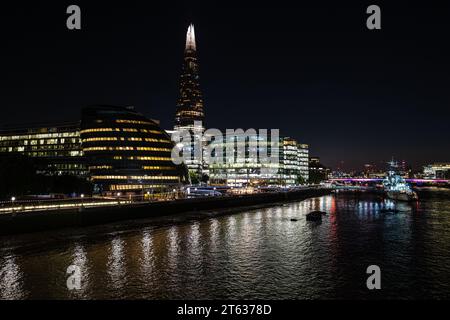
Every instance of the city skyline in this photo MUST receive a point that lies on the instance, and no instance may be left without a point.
(224, 159)
(294, 74)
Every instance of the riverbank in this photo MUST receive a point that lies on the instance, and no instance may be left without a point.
(27, 222)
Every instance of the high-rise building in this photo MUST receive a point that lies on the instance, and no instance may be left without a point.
(303, 158)
(189, 114)
(290, 161)
(295, 158)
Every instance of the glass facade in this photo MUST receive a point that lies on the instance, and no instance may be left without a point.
(127, 152)
(291, 162)
(303, 158)
(244, 166)
(56, 147)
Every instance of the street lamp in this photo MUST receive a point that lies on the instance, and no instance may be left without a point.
(12, 200)
(174, 194)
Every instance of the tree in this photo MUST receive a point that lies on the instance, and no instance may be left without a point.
(17, 175)
(193, 177)
(68, 184)
(300, 180)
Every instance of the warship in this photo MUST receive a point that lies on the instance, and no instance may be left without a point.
(396, 187)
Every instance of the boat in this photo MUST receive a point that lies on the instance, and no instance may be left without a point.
(396, 187)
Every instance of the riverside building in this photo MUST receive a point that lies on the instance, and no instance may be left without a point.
(291, 161)
(437, 171)
(56, 147)
(303, 158)
(127, 152)
(245, 167)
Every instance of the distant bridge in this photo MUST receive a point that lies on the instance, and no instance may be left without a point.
(432, 181)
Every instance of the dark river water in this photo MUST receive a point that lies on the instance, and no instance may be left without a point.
(257, 254)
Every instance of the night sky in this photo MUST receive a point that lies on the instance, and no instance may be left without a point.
(314, 71)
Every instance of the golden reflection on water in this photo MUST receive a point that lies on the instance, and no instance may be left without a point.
(259, 252)
(147, 262)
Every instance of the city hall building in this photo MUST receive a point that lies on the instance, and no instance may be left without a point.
(127, 152)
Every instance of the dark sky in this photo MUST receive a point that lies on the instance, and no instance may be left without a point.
(312, 70)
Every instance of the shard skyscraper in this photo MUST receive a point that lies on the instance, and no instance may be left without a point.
(189, 115)
(190, 112)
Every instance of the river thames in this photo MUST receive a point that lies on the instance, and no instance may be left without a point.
(256, 254)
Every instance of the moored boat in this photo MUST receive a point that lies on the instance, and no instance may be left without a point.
(396, 187)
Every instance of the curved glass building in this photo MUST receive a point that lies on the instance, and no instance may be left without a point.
(127, 152)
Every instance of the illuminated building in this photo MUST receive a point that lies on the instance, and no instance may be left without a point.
(303, 158)
(189, 113)
(246, 167)
(242, 165)
(437, 171)
(291, 162)
(56, 148)
(190, 101)
(127, 152)
(295, 159)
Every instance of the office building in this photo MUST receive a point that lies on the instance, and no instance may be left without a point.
(290, 161)
(56, 148)
(303, 158)
(245, 163)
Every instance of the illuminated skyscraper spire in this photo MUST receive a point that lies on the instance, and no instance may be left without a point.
(190, 38)
(190, 101)
(189, 114)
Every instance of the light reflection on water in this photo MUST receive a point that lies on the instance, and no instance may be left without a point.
(10, 279)
(260, 253)
(79, 259)
(116, 266)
